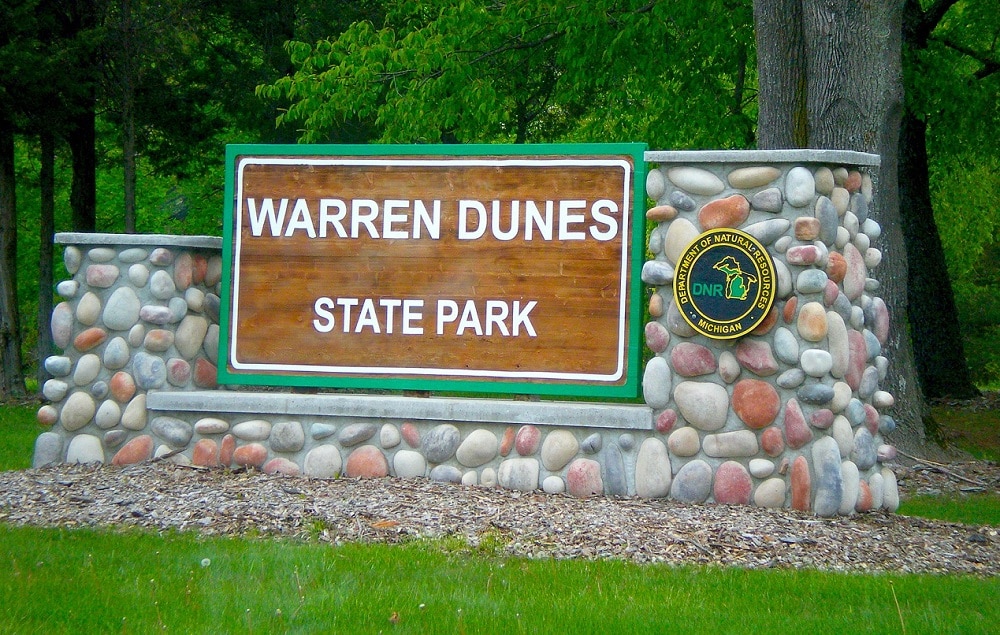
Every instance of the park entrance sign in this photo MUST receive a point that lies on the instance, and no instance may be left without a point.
(471, 268)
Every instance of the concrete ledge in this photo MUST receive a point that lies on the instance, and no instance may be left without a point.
(763, 156)
(154, 240)
(569, 414)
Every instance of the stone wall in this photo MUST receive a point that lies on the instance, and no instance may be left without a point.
(789, 415)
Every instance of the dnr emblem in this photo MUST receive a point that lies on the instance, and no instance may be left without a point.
(724, 283)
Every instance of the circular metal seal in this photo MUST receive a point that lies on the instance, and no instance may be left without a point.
(724, 283)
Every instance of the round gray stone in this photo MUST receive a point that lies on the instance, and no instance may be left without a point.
(321, 430)
(865, 453)
(85, 448)
(116, 353)
(150, 371)
(58, 366)
(681, 201)
(78, 411)
(519, 474)
(161, 285)
(446, 474)
(800, 187)
(191, 335)
(811, 281)
(613, 464)
(287, 436)
(441, 442)
(768, 231)
(592, 444)
(815, 394)
(704, 405)
(652, 470)
(791, 378)
(175, 432)
(478, 448)
(693, 482)
(828, 482)
(133, 254)
(138, 275)
(356, 434)
(786, 346)
(409, 464)
(55, 389)
(48, 449)
(656, 383)
(121, 311)
(87, 369)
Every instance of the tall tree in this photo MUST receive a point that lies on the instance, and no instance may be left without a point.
(831, 77)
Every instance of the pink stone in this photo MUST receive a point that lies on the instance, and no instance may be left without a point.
(90, 338)
(205, 453)
(366, 462)
(881, 326)
(853, 182)
(802, 255)
(772, 441)
(801, 484)
(507, 442)
(205, 373)
(731, 211)
(871, 418)
(856, 358)
(583, 478)
(797, 433)
(836, 267)
(250, 455)
(158, 340)
(691, 360)
(854, 280)
(281, 465)
(666, 420)
(122, 386)
(756, 356)
(183, 271)
(656, 305)
(766, 324)
(527, 439)
(135, 451)
(199, 269)
(830, 293)
(227, 450)
(732, 484)
(865, 502)
(178, 371)
(661, 213)
(102, 276)
(161, 257)
(756, 402)
(47, 415)
(657, 337)
(822, 418)
(788, 311)
(411, 434)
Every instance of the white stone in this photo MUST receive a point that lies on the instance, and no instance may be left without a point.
(161, 285)
(729, 367)
(828, 481)
(761, 468)
(134, 417)
(680, 234)
(553, 485)
(684, 442)
(323, 461)
(190, 335)
(68, 288)
(824, 180)
(85, 448)
(72, 258)
(470, 478)
(875, 484)
(890, 490)
(478, 448)
(656, 382)
(176, 459)
(253, 430)
(770, 493)
(558, 449)
(108, 415)
(287, 436)
(738, 443)
(55, 389)
(122, 309)
(409, 464)
(816, 362)
(704, 405)
(116, 353)
(882, 399)
(784, 277)
(842, 394)
(768, 231)
(211, 425)
(656, 185)
(519, 474)
(136, 335)
(88, 309)
(800, 187)
(488, 477)
(77, 412)
(388, 436)
(843, 435)
(138, 275)
(87, 369)
(695, 180)
(873, 258)
(652, 469)
(852, 487)
(841, 200)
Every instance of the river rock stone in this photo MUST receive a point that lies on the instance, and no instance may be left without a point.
(815, 394)
(161, 285)
(770, 494)
(695, 180)
(856, 359)
(135, 451)
(729, 367)
(320, 431)
(753, 177)
(519, 474)
(800, 187)
(802, 255)
(138, 275)
(507, 440)
(527, 440)
(155, 314)
(55, 389)
(72, 258)
(797, 432)
(409, 464)
(665, 421)
(47, 415)
(761, 468)
(281, 465)
(810, 281)
(77, 411)
(786, 346)
(89, 339)
(478, 448)
(772, 441)
(680, 234)
(806, 228)
(684, 442)
(656, 382)
(205, 453)
(652, 470)
(175, 432)
(738, 443)
(801, 484)
(102, 276)
(656, 185)
(205, 373)
(890, 490)
(251, 455)
(583, 478)
(226, 450)
(829, 220)
(769, 200)
(864, 453)
(58, 366)
(122, 386)
(158, 340)
(122, 309)
(676, 323)
(134, 415)
(48, 449)
(692, 360)
(657, 337)
(61, 324)
(816, 362)
(732, 484)
(657, 273)
(704, 405)
(446, 474)
(356, 434)
(366, 462)
(440, 443)
(811, 322)
(828, 489)
(150, 371)
(693, 482)
(857, 272)
(211, 425)
(757, 357)
(85, 448)
(287, 436)
(613, 463)
(388, 436)
(253, 430)
(178, 372)
(108, 415)
(731, 211)
(559, 447)
(755, 402)
(190, 335)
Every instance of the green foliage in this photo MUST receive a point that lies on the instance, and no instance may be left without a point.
(135, 582)
(20, 429)
(974, 509)
(477, 71)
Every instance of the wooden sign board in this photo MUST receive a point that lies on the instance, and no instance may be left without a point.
(467, 268)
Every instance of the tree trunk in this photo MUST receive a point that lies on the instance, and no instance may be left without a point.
(46, 226)
(11, 373)
(129, 77)
(846, 76)
(937, 338)
(83, 192)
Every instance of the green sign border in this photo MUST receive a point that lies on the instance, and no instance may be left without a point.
(629, 389)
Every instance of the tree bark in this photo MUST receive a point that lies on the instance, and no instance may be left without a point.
(846, 77)
(11, 372)
(46, 227)
(83, 148)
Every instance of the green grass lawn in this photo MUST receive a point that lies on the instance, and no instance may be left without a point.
(17, 442)
(88, 581)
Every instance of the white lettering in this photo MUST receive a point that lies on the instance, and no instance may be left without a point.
(366, 317)
(326, 218)
(533, 218)
(367, 219)
(566, 219)
(447, 311)
(464, 233)
(411, 314)
(389, 218)
(515, 215)
(496, 312)
(521, 318)
(322, 308)
(597, 211)
(266, 213)
(431, 223)
(469, 319)
(347, 303)
(301, 219)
